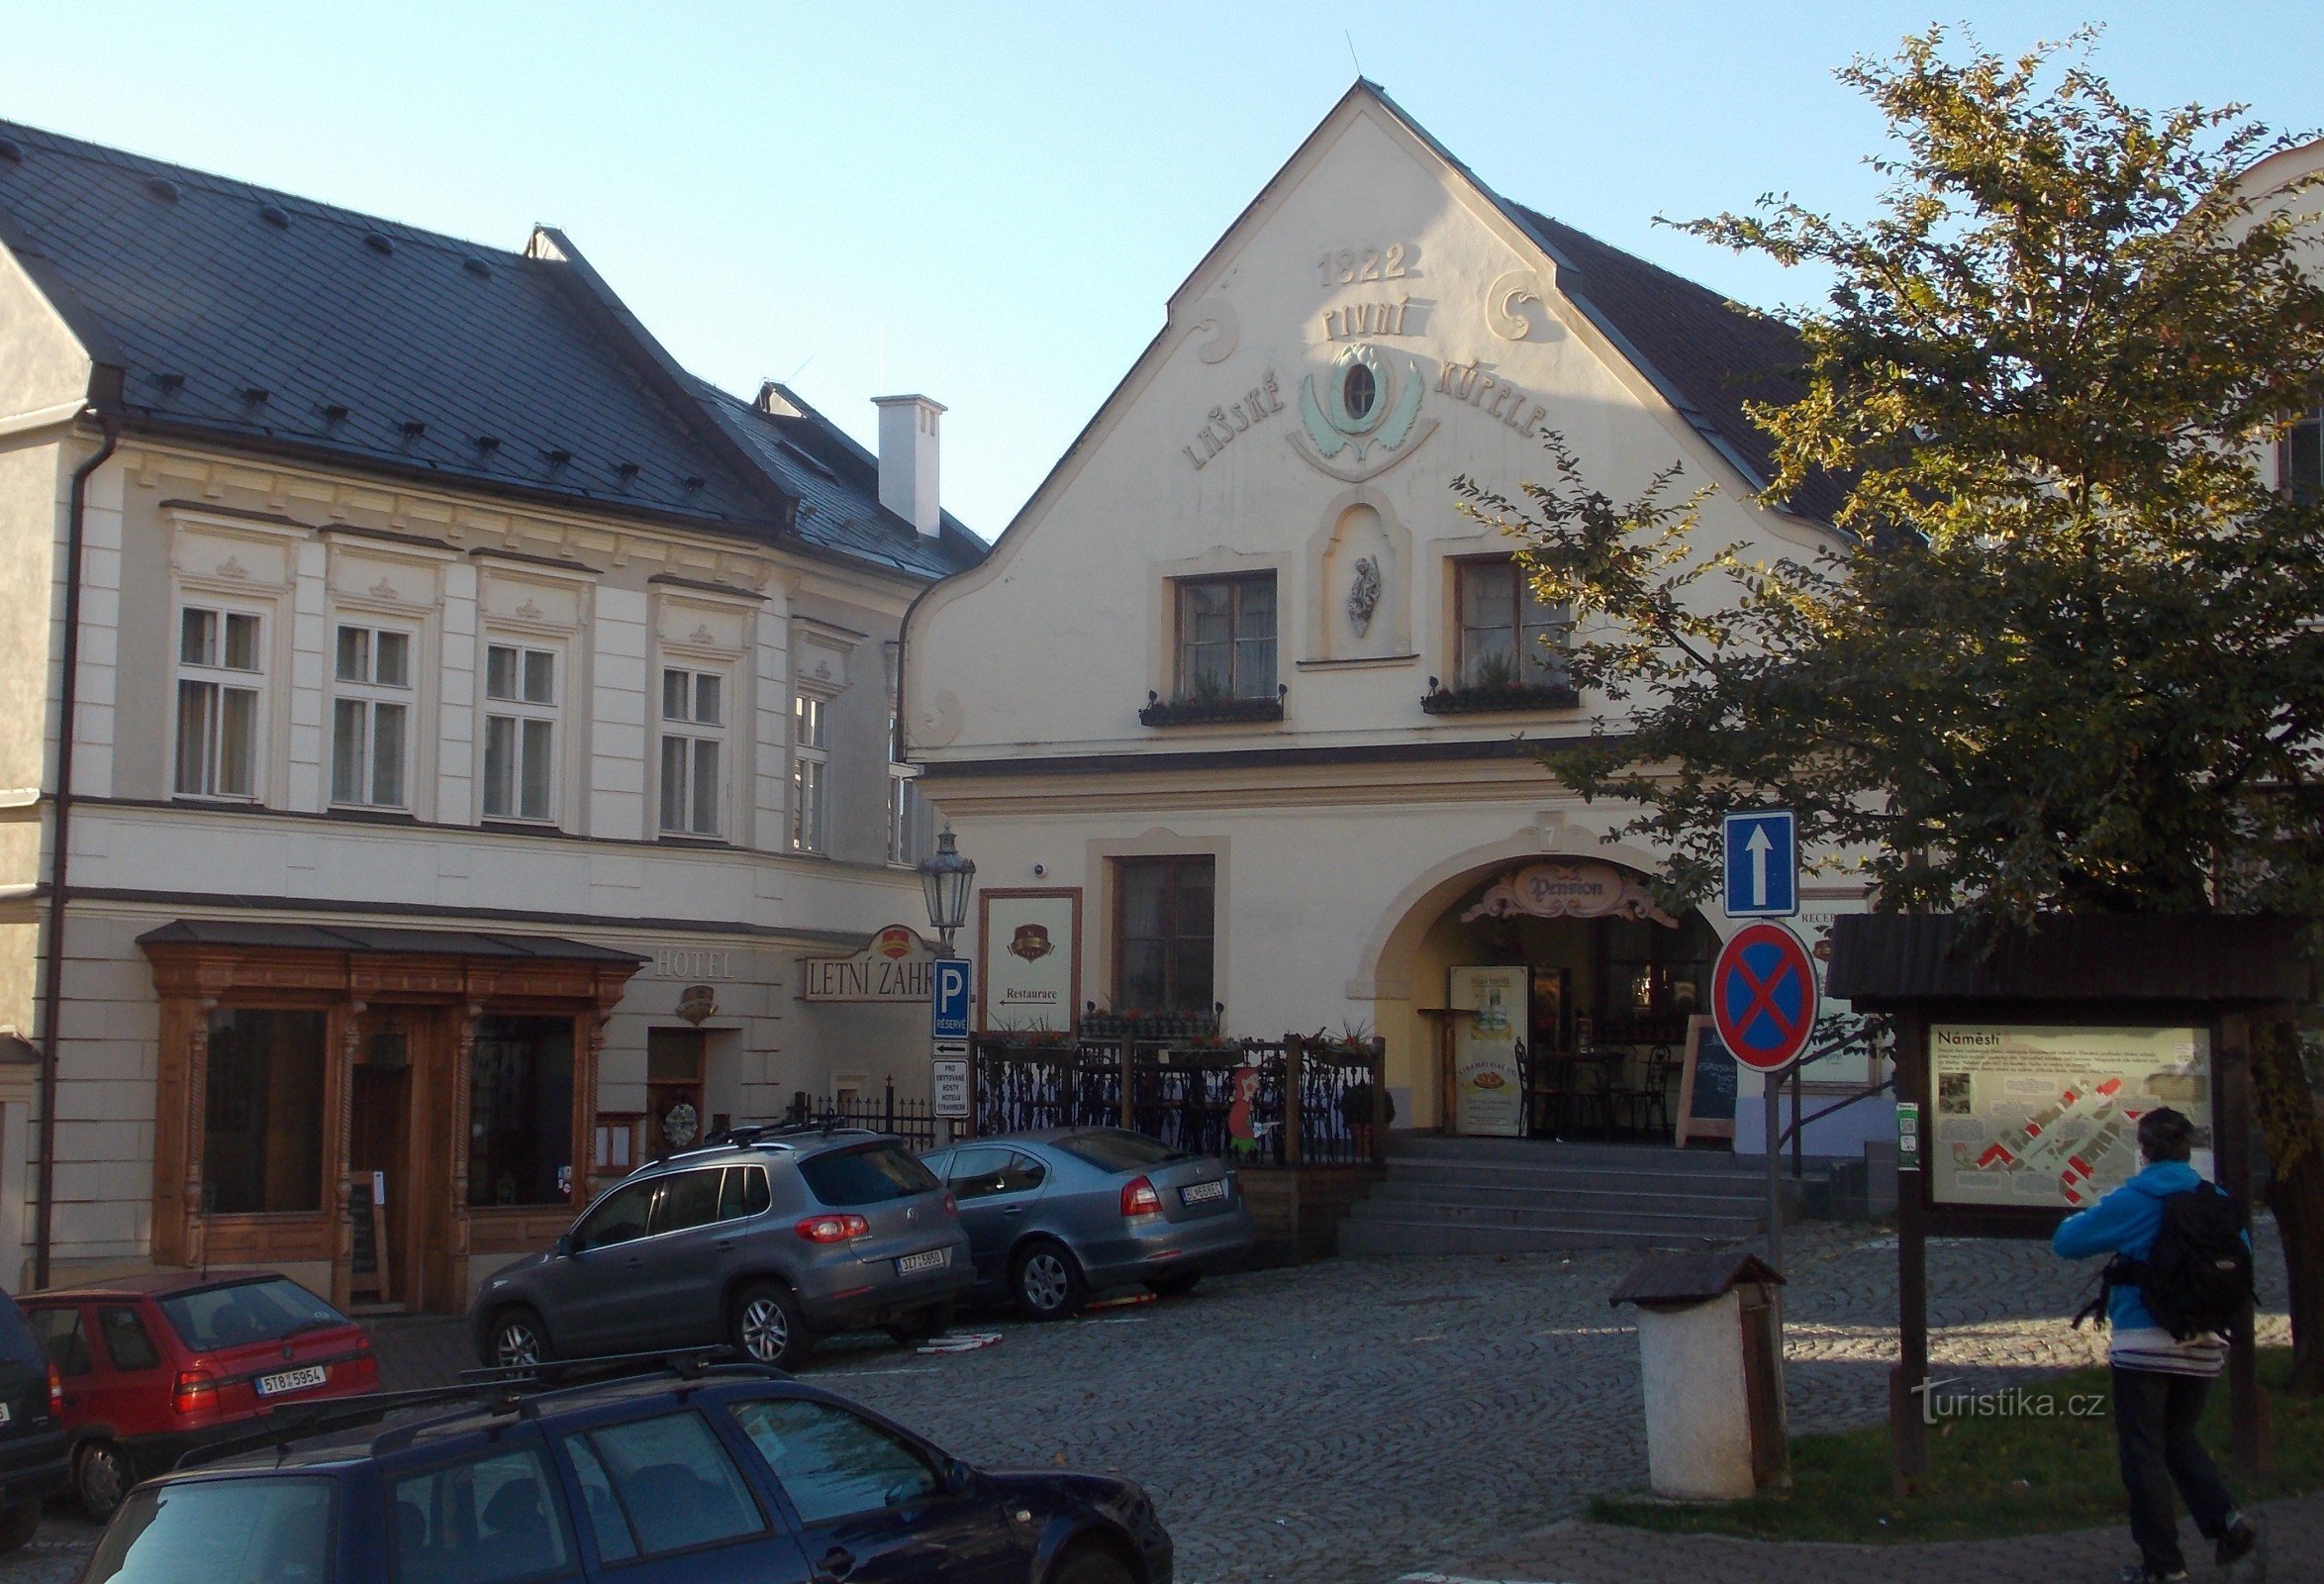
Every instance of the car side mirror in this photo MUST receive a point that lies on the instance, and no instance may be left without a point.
(564, 1246)
(958, 1476)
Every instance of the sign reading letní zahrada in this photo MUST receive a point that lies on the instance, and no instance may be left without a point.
(2047, 1117)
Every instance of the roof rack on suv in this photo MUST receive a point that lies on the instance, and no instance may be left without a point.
(745, 1134)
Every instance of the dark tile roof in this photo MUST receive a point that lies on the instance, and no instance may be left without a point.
(257, 318)
(358, 937)
(837, 483)
(1708, 355)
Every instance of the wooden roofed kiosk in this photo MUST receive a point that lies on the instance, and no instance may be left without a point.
(2023, 1059)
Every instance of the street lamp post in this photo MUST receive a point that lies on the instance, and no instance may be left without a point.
(945, 877)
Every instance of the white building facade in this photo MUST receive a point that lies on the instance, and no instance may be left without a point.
(482, 726)
(1275, 765)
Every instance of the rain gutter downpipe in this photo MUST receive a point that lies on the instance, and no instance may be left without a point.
(53, 985)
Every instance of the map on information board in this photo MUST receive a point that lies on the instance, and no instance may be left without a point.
(2047, 1117)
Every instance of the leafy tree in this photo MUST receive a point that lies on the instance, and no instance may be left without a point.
(2068, 651)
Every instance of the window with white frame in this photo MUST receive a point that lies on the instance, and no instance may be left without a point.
(371, 716)
(911, 825)
(220, 684)
(811, 768)
(693, 737)
(520, 731)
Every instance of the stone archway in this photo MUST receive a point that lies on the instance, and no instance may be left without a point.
(1561, 875)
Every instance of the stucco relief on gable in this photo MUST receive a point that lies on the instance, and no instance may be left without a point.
(1364, 415)
(1360, 568)
(1517, 306)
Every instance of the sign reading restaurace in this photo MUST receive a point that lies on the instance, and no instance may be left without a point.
(893, 966)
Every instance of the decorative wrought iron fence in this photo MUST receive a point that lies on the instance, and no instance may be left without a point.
(1285, 1103)
(912, 1121)
(1343, 1106)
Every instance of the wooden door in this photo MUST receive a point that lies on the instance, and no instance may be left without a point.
(379, 1152)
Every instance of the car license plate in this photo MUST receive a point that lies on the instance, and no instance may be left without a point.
(931, 1259)
(292, 1380)
(1201, 1193)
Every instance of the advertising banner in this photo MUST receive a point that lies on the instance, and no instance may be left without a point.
(1030, 958)
(1489, 1079)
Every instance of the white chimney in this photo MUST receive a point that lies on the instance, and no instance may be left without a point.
(908, 459)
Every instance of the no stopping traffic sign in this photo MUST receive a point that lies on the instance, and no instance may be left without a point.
(1763, 996)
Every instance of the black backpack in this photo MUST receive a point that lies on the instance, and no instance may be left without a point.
(2197, 1278)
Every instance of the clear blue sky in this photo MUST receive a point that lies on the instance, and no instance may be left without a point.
(989, 203)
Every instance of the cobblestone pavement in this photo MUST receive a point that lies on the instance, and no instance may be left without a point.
(1368, 1419)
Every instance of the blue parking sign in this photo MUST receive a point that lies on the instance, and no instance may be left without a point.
(1763, 863)
(950, 999)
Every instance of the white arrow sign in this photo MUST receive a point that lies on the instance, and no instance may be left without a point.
(1758, 847)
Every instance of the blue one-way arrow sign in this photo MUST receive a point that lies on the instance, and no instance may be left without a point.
(1763, 865)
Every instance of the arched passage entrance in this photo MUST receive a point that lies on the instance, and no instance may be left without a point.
(1557, 954)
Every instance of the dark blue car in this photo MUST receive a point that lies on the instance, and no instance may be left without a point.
(715, 1476)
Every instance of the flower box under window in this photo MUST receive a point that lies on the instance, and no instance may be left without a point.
(1203, 711)
(1482, 699)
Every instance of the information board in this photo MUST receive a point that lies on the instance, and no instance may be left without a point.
(2047, 1117)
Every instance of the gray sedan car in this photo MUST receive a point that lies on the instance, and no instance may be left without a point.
(1052, 1215)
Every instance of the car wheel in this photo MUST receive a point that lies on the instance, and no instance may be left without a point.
(922, 1323)
(517, 1340)
(17, 1523)
(102, 1475)
(1087, 1564)
(1176, 1286)
(1048, 1281)
(768, 1329)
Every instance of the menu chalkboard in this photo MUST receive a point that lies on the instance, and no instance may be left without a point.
(367, 1248)
(365, 1259)
(1707, 1087)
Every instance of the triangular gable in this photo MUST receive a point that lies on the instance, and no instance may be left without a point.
(1698, 353)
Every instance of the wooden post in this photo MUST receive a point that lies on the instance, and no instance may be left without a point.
(1447, 1039)
(2231, 1139)
(1907, 1428)
(1294, 1072)
(341, 1142)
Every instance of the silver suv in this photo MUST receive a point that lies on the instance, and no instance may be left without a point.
(762, 1240)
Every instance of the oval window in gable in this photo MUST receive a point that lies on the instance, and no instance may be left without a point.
(1357, 391)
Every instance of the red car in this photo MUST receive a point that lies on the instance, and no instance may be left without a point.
(153, 1366)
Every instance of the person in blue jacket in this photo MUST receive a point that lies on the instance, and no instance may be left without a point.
(2160, 1382)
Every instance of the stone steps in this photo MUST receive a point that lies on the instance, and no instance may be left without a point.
(1456, 1238)
(1528, 1196)
(1669, 1201)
